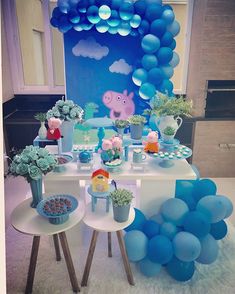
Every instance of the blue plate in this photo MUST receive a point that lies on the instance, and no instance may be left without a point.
(57, 218)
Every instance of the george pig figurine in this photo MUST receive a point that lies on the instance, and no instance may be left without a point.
(106, 152)
(53, 133)
(152, 145)
(117, 147)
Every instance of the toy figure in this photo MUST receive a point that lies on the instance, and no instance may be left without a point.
(99, 181)
(106, 152)
(53, 133)
(117, 147)
(152, 145)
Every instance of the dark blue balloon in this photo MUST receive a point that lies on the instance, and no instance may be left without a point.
(219, 230)
(197, 224)
(54, 22)
(173, 44)
(174, 28)
(63, 6)
(74, 16)
(164, 55)
(140, 7)
(168, 15)
(149, 268)
(158, 27)
(138, 222)
(155, 76)
(56, 12)
(166, 39)
(153, 12)
(179, 270)
(203, 188)
(184, 191)
(167, 6)
(151, 228)
(166, 87)
(160, 249)
(169, 230)
(143, 27)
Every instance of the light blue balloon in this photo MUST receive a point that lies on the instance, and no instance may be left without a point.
(149, 61)
(203, 188)
(149, 268)
(150, 43)
(139, 76)
(166, 87)
(174, 28)
(168, 230)
(93, 14)
(126, 10)
(113, 30)
(147, 91)
(186, 246)
(213, 207)
(209, 250)
(168, 15)
(228, 204)
(124, 28)
(136, 245)
(168, 71)
(104, 12)
(175, 60)
(135, 21)
(174, 210)
(102, 26)
(157, 218)
(184, 191)
(114, 19)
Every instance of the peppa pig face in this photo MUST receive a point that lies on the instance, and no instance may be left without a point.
(117, 142)
(152, 137)
(54, 123)
(106, 145)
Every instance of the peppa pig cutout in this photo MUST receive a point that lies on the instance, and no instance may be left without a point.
(121, 105)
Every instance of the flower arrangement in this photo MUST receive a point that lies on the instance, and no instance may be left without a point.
(169, 131)
(66, 110)
(32, 163)
(137, 119)
(121, 197)
(162, 105)
(121, 123)
(41, 116)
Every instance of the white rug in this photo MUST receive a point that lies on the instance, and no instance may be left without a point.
(107, 274)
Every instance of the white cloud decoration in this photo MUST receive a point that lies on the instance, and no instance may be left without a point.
(121, 66)
(90, 48)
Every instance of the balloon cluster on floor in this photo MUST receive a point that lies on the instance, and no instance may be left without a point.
(184, 231)
(151, 20)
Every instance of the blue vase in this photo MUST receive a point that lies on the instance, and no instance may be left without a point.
(121, 213)
(136, 131)
(36, 188)
(66, 129)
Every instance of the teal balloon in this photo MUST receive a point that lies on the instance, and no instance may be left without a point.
(78, 27)
(228, 204)
(136, 244)
(174, 28)
(219, 230)
(114, 19)
(168, 230)
(93, 14)
(139, 76)
(113, 30)
(116, 4)
(209, 250)
(155, 76)
(149, 268)
(102, 26)
(157, 218)
(168, 15)
(153, 11)
(135, 21)
(124, 28)
(150, 43)
(167, 71)
(184, 191)
(147, 91)
(174, 210)
(203, 188)
(140, 7)
(175, 59)
(144, 27)
(151, 228)
(149, 61)
(186, 246)
(213, 208)
(164, 55)
(138, 222)
(104, 12)
(173, 44)
(166, 87)
(179, 270)
(160, 249)
(158, 27)
(166, 39)
(126, 10)
(73, 16)
(197, 224)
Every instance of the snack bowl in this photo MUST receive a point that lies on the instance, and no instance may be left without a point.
(62, 160)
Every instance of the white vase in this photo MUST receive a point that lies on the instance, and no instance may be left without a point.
(168, 121)
(66, 130)
(42, 132)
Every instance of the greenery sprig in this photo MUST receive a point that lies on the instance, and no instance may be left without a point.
(137, 119)
(121, 197)
(41, 116)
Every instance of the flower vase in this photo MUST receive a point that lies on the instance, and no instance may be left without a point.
(42, 132)
(66, 129)
(36, 188)
(168, 121)
(136, 131)
(121, 213)
(120, 131)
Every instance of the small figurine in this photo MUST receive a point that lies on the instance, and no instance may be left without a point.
(152, 145)
(99, 181)
(107, 151)
(117, 147)
(53, 133)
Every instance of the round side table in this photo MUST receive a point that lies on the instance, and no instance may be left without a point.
(26, 220)
(104, 222)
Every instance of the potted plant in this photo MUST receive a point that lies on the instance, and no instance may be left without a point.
(121, 199)
(32, 163)
(42, 132)
(69, 113)
(136, 126)
(120, 125)
(168, 134)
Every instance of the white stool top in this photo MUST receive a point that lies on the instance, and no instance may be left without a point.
(26, 220)
(100, 220)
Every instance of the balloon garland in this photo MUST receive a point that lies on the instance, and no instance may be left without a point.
(154, 22)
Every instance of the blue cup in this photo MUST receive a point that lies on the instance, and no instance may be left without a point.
(138, 156)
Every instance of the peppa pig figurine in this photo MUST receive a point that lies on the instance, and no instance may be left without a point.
(106, 152)
(152, 145)
(53, 133)
(117, 147)
(121, 105)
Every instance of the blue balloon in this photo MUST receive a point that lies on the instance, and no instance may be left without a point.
(113, 30)
(179, 270)
(150, 43)
(174, 210)
(73, 2)
(166, 39)
(167, 71)
(209, 250)
(197, 224)
(140, 7)
(155, 76)
(104, 12)
(175, 59)
(63, 6)
(166, 87)
(173, 45)
(135, 21)
(153, 11)
(169, 230)
(136, 244)
(138, 222)
(158, 27)
(174, 28)
(184, 191)
(73, 16)
(56, 12)
(168, 15)
(219, 230)
(167, 6)
(147, 91)
(203, 188)
(93, 14)
(160, 249)
(149, 268)
(186, 246)
(102, 26)
(126, 10)
(54, 22)
(134, 32)
(228, 204)
(139, 76)
(124, 28)
(114, 19)
(213, 207)
(82, 6)
(157, 218)
(151, 228)
(149, 61)
(144, 27)
(116, 4)
(164, 55)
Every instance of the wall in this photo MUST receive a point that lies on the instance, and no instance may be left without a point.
(212, 51)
